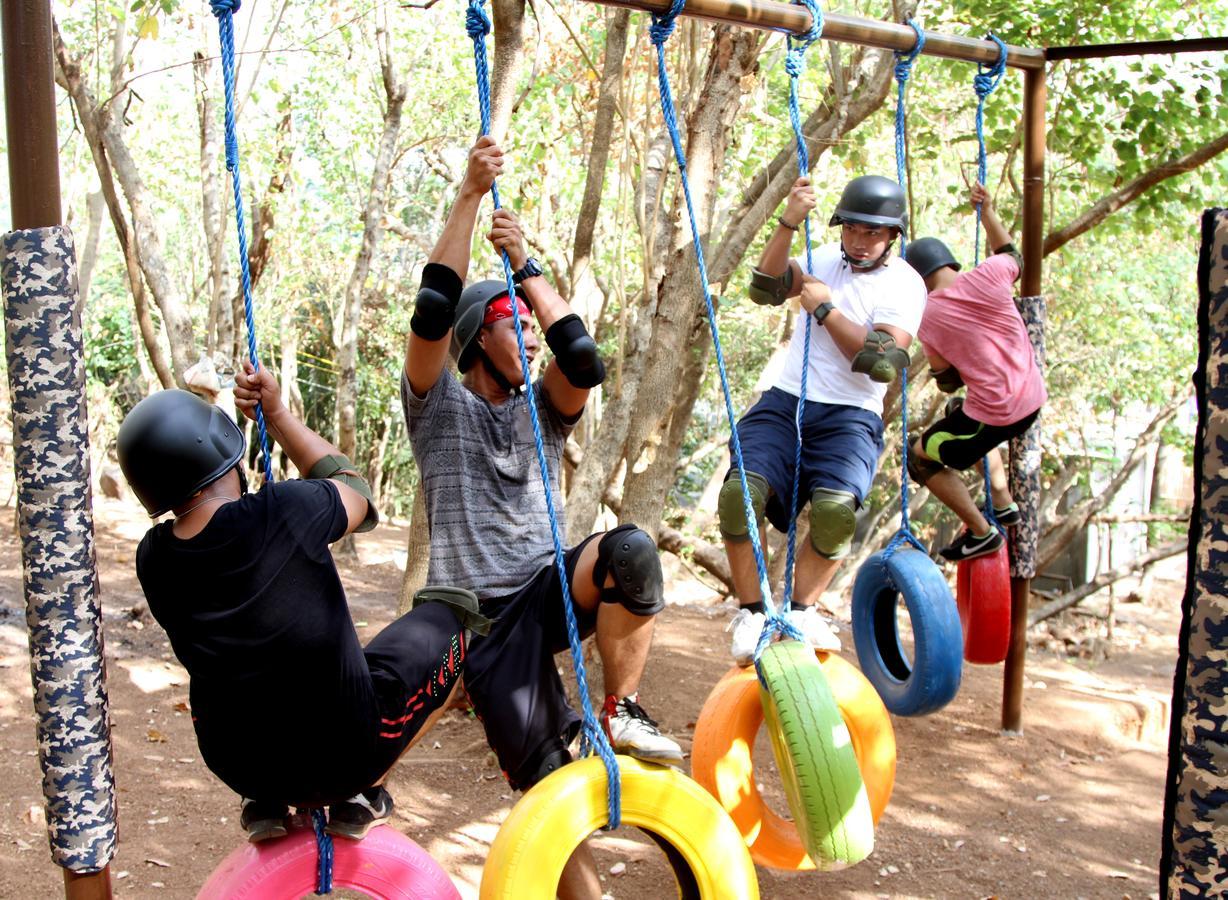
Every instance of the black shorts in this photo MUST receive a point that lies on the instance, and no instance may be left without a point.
(414, 664)
(960, 442)
(512, 676)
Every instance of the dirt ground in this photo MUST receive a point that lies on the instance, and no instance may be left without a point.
(1070, 809)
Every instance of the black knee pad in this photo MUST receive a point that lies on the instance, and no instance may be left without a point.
(921, 470)
(550, 756)
(630, 555)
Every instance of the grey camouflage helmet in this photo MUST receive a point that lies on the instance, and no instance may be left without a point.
(872, 200)
(470, 310)
(927, 255)
(172, 444)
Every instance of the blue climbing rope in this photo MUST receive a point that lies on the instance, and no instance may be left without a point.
(224, 11)
(659, 31)
(795, 60)
(903, 69)
(985, 82)
(324, 853)
(593, 737)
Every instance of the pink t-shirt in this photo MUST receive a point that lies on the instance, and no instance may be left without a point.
(973, 324)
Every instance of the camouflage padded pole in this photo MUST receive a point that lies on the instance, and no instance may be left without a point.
(1194, 855)
(55, 511)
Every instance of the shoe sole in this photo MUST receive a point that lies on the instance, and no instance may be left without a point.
(643, 756)
(262, 833)
(353, 834)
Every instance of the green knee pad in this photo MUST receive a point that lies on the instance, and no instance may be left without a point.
(832, 522)
(731, 510)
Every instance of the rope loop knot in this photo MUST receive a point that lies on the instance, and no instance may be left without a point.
(224, 7)
(663, 25)
(987, 78)
(905, 58)
(477, 23)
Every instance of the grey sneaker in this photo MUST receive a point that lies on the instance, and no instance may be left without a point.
(263, 820)
(358, 815)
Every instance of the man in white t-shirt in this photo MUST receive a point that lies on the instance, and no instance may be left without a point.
(865, 307)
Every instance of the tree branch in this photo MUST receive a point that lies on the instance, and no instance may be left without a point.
(1108, 205)
(1069, 599)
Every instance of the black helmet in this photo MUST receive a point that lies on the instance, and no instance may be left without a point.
(470, 311)
(172, 444)
(927, 255)
(872, 200)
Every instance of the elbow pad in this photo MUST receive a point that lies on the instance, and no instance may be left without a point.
(880, 358)
(948, 380)
(770, 290)
(435, 306)
(339, 468)
(575, 352)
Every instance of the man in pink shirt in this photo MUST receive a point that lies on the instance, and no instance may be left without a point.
(974, 337)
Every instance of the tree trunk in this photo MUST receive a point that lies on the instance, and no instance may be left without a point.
(220, 330)
(418, 557)
(96, 206)
(375, 461)
(599, 153)
(69, 76)
(395, 92)
(508, 59)
(709, 556)
(288, 375)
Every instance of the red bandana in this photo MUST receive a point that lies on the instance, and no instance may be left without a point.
(502, 309)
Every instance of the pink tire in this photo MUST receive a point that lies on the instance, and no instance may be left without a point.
(385, 864)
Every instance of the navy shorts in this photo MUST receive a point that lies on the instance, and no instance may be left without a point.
(840, 449)
(959, 441)
(512, 677)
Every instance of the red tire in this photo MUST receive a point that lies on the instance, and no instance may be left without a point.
(722, 751)
(983, 596)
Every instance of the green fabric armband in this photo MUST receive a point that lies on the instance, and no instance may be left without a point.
(880, 358)
(338, 468)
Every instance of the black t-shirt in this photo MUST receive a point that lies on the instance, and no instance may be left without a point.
(282, 698)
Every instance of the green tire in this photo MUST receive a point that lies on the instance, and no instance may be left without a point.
(814, 754)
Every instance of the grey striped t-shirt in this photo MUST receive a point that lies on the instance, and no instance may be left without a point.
(485, 503)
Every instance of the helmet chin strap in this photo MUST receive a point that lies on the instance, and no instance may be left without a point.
(868, 265)
(499, 378)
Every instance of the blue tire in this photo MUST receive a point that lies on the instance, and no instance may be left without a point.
(931, 681)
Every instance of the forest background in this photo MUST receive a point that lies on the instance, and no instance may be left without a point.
(355, 119)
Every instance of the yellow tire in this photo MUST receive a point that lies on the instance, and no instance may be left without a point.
(722, 756)
(533, 845)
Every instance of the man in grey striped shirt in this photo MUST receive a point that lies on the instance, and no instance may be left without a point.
(486, 505)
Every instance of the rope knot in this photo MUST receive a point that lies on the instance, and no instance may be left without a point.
(814, 33)
(795, 62)
(477, 23)
(224, 7)
(987, 79)
(663, 25)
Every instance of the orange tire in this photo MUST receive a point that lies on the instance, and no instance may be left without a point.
(722, 755)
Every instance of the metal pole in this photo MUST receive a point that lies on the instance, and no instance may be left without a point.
(29, 92)
(1137, 48)
(34, 182)
(1034, 95)
(771, 15)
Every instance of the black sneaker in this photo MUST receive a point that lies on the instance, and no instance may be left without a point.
(358, 815)
(968, 547)
(1006, 515)
(263, 821)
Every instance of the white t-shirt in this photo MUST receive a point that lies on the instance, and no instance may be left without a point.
(892, 294)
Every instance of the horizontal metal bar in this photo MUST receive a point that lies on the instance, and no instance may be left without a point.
(1137, 48)
(772, 15)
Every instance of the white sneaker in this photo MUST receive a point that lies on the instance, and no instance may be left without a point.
(814, 628)
(633, 732)
(746, 626)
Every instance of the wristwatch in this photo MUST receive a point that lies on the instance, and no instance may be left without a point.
(530, 269)
(821, 311)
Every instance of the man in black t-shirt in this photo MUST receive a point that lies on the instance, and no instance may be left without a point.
(289, 708)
